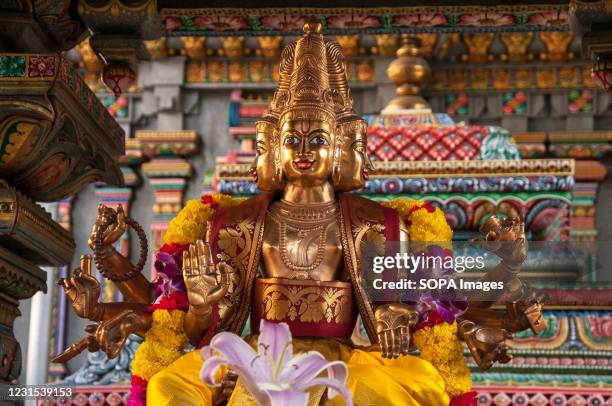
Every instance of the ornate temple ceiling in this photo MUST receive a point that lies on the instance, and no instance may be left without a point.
(117, 28)
(191, 17)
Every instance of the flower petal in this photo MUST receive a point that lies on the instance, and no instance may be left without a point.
(209, 370)
(234, 349)
(274, 338)
(251, 384)
(334, 387)
(287, 397)
(206, 352)
(238, 353)
(307, 366)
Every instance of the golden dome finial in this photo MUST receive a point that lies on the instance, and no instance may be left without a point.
(410, 73)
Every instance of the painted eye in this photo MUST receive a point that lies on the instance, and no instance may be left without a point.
(291, 141)
(359, 147)
(318, 141)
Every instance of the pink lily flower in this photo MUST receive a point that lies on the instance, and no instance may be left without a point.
(273, 375)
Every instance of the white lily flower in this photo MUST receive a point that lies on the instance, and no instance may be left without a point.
(272, 374)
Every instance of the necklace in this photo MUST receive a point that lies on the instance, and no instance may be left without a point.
(310, 222)
(305, 212)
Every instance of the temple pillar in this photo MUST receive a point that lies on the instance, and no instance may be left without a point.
(59, 305)
(37, 360)
(167, 173)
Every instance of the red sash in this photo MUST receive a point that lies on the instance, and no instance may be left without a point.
(310, 308)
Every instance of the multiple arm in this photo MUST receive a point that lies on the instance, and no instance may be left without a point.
(485, 330)
(113, 322)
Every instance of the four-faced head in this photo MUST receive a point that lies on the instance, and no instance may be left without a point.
(309, 150)
(266, 169)
(354, 167)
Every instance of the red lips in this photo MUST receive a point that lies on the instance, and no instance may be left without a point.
(304, 163)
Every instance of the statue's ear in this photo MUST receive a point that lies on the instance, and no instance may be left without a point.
(337, 156)
(278, 166)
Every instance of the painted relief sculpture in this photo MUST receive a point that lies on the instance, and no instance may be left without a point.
(292, 255)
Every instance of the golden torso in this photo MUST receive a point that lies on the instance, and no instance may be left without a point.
(302, 241)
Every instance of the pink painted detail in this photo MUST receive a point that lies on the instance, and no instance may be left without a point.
(425, 143)
(486, 19)
(420, 20)
(41, 66)
(221, 23)
(601, 327)
(173, 23)
(353, 21)
(283, 22)
(602, 74)
(550, 18)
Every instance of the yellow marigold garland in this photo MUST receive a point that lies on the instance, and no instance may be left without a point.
(189, 224)
(425, 222)
(163, 343)
(439, 344)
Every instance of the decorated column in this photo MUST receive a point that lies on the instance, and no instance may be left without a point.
(167, 173)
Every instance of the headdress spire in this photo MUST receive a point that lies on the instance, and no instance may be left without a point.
(310, 94)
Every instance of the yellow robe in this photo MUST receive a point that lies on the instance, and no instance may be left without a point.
(373, 380)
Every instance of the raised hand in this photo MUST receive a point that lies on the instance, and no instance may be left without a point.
(116, 228)
(393, 322)
(506, 239)
(83, 291)
(206, 283)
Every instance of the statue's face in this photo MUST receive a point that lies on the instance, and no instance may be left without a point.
(263, 168)
(306, 151)
(362, 164)
(355, 164)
